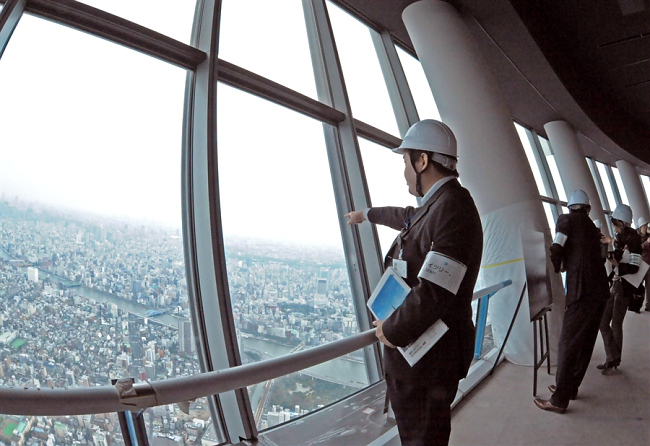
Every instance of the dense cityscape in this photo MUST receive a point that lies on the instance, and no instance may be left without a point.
(84, 300)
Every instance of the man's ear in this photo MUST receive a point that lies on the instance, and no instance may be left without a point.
(424, 160)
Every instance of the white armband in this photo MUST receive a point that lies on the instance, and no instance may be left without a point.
(560, 239)
(635, 259)
(443, 271)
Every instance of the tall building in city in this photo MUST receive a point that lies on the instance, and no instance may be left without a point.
(186, 342)
(322, 286)
(32, 273)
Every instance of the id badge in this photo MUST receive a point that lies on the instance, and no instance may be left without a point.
(400, 267)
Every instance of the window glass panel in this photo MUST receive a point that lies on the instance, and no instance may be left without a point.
(422, 96)
(287, 273)
(91, 211)
(169, 17)
(548, 209)
(364, 80)
(270, 39)
(534, 166)
(596, 176)
(620, 186)
(646, 186)
(565, 210)
(552, 166)
(604, 178)
(386, 183)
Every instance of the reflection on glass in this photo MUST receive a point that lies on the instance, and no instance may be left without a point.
(422, 96)
(536, 168)
(552, 166)
(385, 177)
(620, 186)
(91, 255)
(604, 178)
(287, 273)
(251, 37)
(548, 209)
(169, 17)
(364, 80)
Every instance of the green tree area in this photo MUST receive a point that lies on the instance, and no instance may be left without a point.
(306, 392)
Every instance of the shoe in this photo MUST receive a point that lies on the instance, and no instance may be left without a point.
(553, 388)
(608, 366)
(547, 405)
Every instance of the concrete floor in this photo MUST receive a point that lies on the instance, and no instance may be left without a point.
(610, 410)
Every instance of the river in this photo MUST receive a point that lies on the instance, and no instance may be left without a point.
(337, 370)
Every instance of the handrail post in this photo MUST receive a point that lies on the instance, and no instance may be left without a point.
(124, 427)
(141, 429)
(481, 321)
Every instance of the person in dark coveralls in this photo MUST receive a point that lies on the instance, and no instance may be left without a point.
(626, 259)
(577, 249)
(446, 228)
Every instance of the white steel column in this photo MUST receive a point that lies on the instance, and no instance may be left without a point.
(634, 190)
(573, 167)
(492, 162)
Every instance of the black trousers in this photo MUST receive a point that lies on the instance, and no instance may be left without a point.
(576, 345)
(422, 410)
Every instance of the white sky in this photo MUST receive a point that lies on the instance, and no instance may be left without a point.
(91, 125)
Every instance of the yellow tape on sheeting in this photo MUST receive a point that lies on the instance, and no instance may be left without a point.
(503, 263)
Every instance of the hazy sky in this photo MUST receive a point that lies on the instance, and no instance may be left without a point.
(90, 125)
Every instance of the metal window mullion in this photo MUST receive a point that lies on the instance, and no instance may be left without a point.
(614, 184)
(108, 26)
(399, 92)
(360, 242)
(204, 251)
(9, 18)
(262, 87)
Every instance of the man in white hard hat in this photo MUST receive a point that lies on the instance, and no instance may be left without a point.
(445, 232)
(577, 249)
(626, 260)
(642, 230)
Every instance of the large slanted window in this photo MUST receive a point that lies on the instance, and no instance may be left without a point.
(169, 17)
(91, 255)
(419, 86)
(609, 200)
(365, 83)
(620, 187)
(645, 181)
(270, 39)
(385, 175)
(287, 274)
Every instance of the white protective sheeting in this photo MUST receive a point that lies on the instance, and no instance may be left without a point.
(503, 259)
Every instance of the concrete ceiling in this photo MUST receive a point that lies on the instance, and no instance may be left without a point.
(584, 61)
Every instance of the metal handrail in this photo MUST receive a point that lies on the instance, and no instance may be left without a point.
(128, 395)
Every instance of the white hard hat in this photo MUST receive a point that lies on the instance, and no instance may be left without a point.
(641, 221)
(623, 213)
(431, 136)
(578, 198)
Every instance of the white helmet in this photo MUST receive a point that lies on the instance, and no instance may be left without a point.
(431, 136)
(641, 221)
(623, 213)
(578, 198)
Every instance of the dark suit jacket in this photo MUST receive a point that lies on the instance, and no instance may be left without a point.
(586, 276)
(450, 221)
